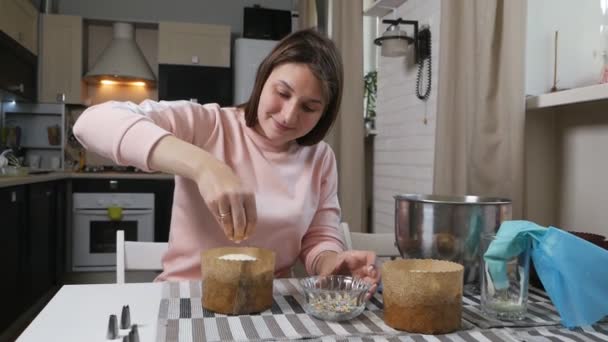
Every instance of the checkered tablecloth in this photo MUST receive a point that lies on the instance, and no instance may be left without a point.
(182, 318)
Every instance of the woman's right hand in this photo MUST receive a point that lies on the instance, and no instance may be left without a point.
(232, 204)
(229, 201)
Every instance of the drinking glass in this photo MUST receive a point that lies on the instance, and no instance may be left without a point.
(508, 303)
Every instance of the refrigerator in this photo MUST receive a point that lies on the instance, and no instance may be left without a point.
(248, 54)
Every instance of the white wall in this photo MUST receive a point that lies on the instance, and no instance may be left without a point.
(566, 167)
(404, 146)
(542, 167)
(370, 50)
(580, 44)
(566, 162)
(226, 12)
(583, 138)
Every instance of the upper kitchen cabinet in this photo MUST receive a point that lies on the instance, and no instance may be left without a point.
(194, 44)
(61, 59)
(19, 20)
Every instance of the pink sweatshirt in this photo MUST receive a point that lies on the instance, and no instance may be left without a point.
(296, 189)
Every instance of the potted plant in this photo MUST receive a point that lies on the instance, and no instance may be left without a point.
(370, 88)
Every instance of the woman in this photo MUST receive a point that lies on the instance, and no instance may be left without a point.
(254, 175)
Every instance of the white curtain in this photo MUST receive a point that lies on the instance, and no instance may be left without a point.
(348, 135)
(307, 14)
(345, 27)
(481, 109)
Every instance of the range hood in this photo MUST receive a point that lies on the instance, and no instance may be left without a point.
(122, 61)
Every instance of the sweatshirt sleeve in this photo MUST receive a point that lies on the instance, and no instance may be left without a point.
(126, 133)
(323, 233)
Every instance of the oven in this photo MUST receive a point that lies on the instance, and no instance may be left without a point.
(97, 217)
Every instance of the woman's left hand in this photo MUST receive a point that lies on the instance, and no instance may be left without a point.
(359, 264)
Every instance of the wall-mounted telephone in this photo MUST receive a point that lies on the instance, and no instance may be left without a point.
(423, 58)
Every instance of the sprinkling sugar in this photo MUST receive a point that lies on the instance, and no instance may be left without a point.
(240, 257)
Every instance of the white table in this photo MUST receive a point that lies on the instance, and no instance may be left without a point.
(81, 312)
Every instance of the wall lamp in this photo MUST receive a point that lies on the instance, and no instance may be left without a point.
(394, 42)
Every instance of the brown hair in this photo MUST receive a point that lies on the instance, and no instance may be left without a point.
(322, 57)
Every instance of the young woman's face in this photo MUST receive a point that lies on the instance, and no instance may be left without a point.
(291, 103)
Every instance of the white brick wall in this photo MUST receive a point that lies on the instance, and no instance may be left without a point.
(404, 146)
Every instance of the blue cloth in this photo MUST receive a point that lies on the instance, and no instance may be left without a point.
(572, 270)
(511, 240)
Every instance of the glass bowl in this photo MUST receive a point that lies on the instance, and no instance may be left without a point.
(334, 297)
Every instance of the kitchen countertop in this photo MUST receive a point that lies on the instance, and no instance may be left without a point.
(61, 175)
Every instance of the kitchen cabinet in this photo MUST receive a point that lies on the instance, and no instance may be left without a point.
(32, 244)
(40, 240)
(19, 20)
(18, 68)
(13, 218)
(194, 44)
(61, 59)
(162, 190)
(61, 211)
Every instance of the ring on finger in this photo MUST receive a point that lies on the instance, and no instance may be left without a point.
(224, 215)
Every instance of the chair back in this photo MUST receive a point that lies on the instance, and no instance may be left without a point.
(141, 256)
(383, 244)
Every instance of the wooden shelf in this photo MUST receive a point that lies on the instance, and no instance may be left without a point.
(20, 113)
(55, 109)
(596, 92)
(49, 147)
(380, 8)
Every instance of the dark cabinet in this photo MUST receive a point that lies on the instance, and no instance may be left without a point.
(32, 219)
(18, 68)
(161, 188)
(13, 218)
(61, 210)
(41, 239)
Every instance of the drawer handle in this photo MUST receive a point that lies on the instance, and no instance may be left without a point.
(60, 97)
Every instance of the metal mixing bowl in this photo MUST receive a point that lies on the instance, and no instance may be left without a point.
(447, 227)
